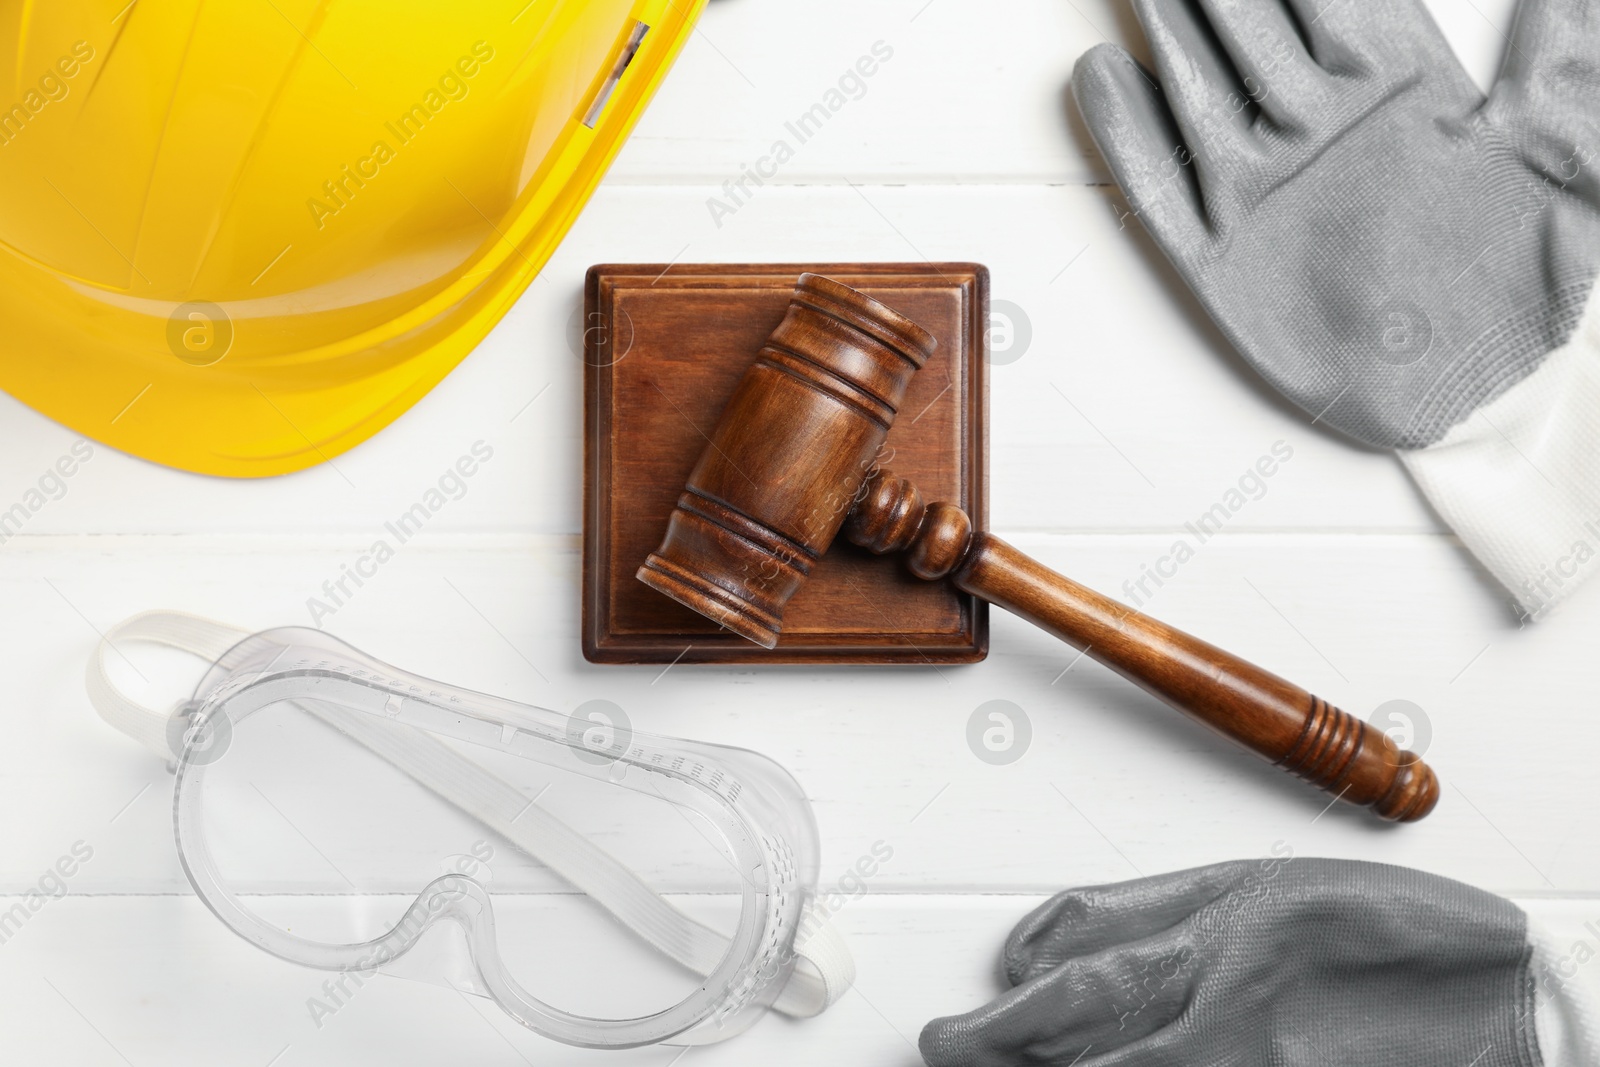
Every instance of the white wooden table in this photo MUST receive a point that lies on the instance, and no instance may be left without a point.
(1122, 418)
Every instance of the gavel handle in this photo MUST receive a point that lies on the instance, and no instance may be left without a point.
(1275, 718)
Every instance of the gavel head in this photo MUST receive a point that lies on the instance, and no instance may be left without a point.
(789, 458)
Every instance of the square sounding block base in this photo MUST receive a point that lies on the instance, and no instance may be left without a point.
(663, 349)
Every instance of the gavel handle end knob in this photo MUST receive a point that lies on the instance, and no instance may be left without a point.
(1359, 763)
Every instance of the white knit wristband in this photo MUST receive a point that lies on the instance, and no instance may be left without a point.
(1519, 480)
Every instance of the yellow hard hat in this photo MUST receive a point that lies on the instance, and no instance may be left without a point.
(241, 238)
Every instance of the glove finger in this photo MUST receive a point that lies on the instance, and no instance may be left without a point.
(1086, 920)
(1275, 69)
(1347, 35)
(1129, 121)
(1098, 1002)
(1213, 110)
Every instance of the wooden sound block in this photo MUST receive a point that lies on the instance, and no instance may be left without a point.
(664, 347)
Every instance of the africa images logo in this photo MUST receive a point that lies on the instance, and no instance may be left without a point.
(53, 86)
(452, 85)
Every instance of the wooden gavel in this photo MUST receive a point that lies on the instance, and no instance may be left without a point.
(793, 461)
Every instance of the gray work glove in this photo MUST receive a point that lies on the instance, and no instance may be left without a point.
(1271, 963)
(1406, 260)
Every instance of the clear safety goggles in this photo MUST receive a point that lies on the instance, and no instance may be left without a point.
(605, 887)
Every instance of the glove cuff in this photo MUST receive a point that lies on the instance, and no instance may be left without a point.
(1519, 479)
(1567, 995)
